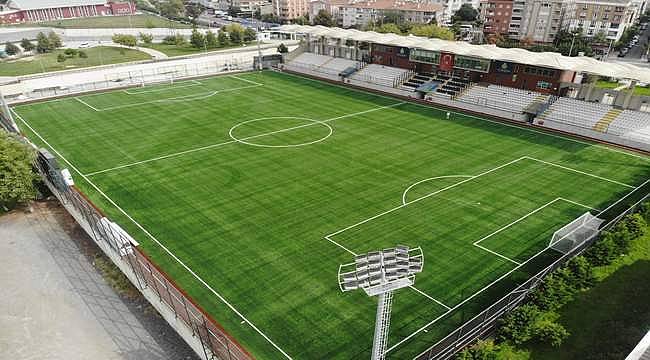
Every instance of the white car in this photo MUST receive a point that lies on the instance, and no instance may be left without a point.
(84, 45)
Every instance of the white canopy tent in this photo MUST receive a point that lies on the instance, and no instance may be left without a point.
(491, 52)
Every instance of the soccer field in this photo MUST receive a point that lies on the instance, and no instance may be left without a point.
(251, 189)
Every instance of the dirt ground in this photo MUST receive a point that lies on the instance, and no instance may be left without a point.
(55, 302)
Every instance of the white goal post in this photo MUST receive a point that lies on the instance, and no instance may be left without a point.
(575, 233)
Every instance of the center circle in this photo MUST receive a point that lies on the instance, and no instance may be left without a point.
(310, 122)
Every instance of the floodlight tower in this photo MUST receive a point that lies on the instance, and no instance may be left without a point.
(380, 273)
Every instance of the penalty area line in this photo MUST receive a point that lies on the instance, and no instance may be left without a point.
(197, 277)
(85, 103)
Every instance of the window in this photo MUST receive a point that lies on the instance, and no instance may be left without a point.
(426, 56)
(470, 63)
(544, 85)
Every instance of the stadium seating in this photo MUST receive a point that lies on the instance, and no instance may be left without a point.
(383, 75)
(324, 64)
(502, 97)
(631, 124)
(564, 111)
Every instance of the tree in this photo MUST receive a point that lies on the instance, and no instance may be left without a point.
(235, 37)
(42, 43)
(432, 31)
(282, 49)
(193, 11)
(222, 37)
(301, 20)
(27, 45)
(249, 35)
(172, 8)
(11, 49)
(236, 33)
(197, 39)
(126, 40)
(211, 39)
(389, 28)
(394, 17)
(16, 174)
(465, 13)
(146, 38)
(324, 18)
(55, 40)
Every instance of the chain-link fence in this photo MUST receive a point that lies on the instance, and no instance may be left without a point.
(483, 323)
(153, 75)
(142, 271)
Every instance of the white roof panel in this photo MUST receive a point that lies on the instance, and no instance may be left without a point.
(491, 52)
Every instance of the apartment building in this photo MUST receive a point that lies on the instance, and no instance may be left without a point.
(360, 14)
(290, 9)
(331, 6)
(610, 17)
(497, 15)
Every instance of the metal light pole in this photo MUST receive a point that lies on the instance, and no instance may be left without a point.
(572, 41)
(380, 273)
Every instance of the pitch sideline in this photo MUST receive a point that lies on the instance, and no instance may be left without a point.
(218, 295)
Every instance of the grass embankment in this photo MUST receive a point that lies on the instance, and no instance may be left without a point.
(100, 55)
(608, 320)
(109, 22)
(187, 49)
(638, 90)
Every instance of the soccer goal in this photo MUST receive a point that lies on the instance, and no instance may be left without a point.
(575, 233)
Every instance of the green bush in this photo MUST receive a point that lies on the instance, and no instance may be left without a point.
(126, 40)
(82, 54)
(146, 38)
(582, 272)
(515, 327)
(27, 45)
(282, 49)
(16, 174)
(70, 52)
(60, 58)
(545, 330)
(11, 49)
(603, 251)
(556, 290)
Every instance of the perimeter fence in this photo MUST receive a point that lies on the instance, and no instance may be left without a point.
(123, 250)
(140, 77)
(484, 323)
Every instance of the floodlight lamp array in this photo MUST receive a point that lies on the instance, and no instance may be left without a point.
(378, 272)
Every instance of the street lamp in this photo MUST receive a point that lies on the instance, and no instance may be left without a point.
(380, 273)
(572, 41)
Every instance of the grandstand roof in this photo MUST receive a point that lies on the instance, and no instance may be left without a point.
(492, 52)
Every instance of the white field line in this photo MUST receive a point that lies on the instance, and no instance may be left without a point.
(497, 254)
(85, 103)
(580, 172)
(579, 204)
(191, 97)
(424, 197)
(234, 141)
(183, 84)
(412, 287)
(197, 277)
(433, 106)
(429, 179)
(246, 80)
(472, 296)
(429, 297)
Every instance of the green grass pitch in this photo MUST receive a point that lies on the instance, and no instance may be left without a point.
(263, 183)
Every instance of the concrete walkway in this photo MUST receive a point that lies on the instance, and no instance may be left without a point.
(56, 305)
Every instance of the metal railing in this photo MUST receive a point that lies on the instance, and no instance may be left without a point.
(123, 79)
(483, 323)
(139, 268)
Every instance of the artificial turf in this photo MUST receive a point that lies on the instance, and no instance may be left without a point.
(242, 177)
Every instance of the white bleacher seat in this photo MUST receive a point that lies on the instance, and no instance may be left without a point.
(565, 111)
(382, 75)
(501, 97)
(322, 63)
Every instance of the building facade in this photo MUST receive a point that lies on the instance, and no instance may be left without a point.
(360, 14)
(290, 9)
(497, 15)
(21, 11)
(610, 17)
(331, 6)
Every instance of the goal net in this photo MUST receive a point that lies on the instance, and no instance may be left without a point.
(575, 233)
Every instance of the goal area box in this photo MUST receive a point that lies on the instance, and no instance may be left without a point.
(575, 233)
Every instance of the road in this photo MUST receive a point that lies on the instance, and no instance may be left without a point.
(213, 21)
